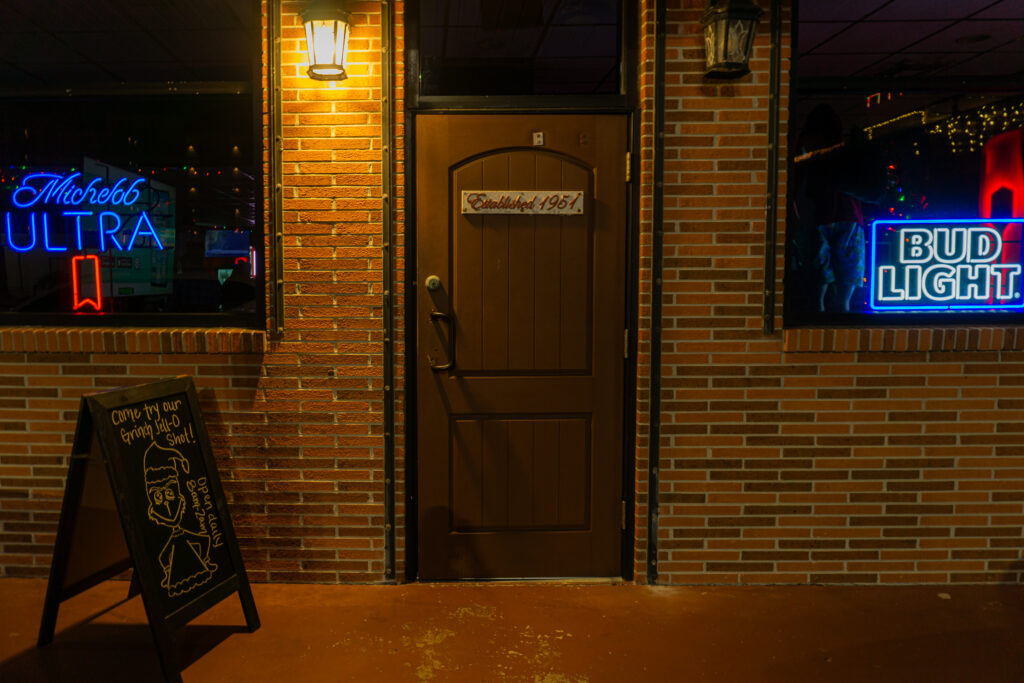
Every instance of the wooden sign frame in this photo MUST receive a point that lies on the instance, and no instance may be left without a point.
(143, 492)
(528, 202)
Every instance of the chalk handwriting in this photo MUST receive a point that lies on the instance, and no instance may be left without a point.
(185, 557)
(178, 497)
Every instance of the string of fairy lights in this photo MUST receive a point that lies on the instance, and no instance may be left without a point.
(11, 175)
(969, 131)
(870, 130)
(965, 132)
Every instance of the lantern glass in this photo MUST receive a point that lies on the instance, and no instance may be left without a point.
(729, 30)
(326, 44)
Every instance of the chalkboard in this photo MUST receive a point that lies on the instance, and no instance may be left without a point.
(143, 492)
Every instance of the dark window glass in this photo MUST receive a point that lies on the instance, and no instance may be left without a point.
(129, 162)
(906, 185)
(519, 47)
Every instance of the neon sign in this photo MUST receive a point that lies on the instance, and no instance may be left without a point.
(56, 233)
(114, 228)
(946, 265)
(85, 276)
(62, 190)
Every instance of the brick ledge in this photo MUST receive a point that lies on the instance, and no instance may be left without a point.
(129, 340)
(816, 340)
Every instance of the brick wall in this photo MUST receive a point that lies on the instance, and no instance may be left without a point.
(821, 456)
(44, 373)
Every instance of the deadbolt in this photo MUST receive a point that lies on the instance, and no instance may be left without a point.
(433, 283)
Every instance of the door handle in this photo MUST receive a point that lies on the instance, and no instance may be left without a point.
(447, 319)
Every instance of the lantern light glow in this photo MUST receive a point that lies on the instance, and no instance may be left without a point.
(327, 28)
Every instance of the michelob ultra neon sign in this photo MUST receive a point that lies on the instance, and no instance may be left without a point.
(102, 216)
(946, 265)
(79, 206)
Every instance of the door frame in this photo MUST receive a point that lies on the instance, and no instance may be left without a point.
(626, 104)
(631, 322)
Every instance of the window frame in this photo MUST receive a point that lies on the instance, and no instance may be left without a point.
(793, 319)
(621, 101)
(251, 320)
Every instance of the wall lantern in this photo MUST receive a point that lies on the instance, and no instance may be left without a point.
(729, 28)
(327, 26)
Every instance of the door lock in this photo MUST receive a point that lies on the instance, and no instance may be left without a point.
(433, 283)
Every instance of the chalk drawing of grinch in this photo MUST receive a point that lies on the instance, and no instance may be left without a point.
(185, 557)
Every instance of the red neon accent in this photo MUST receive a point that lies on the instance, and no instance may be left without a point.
(241, 259)
(96, 303)
(1003, 168)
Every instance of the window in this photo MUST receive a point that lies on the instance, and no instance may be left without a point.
(519, 48)
(130, 163)
(906, 150)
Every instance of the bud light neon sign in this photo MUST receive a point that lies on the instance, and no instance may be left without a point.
(946, 265)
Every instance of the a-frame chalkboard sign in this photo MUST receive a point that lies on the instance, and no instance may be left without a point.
(143, 492)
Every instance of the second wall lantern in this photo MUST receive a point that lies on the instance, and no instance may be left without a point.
(327, 27)
(729, 28)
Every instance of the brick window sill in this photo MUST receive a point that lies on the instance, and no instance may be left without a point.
(128, 340)
(843, 340)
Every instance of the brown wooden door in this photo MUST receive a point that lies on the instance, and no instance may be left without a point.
(520, 440)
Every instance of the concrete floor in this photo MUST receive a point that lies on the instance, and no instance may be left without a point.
(538, 632)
